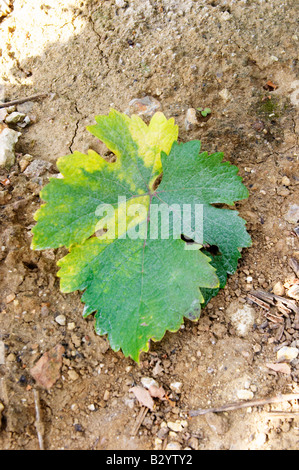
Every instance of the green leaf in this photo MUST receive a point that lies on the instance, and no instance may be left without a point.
(89, 180)
(138, 274)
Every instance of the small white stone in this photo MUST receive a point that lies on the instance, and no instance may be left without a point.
(285, 181)
(242, 317)
(225, 16)
(15, 117)
(173, 446)
(73, 375)
(191, 119)
(287, 354)
(148, 382)
(177, 426)
(245, 394)
(278, 288)
(225, 94)
(91, 407)
(120, 3)
(8, 139)
(71, 326)
(60, 319)
(292, 216)
(176, 387)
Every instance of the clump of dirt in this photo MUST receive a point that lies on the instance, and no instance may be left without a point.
(89, 56)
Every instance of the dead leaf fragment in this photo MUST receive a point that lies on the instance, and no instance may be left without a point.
(157, 392)
(281, 367)
(143, 396)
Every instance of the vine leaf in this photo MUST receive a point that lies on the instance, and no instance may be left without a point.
(139, 282)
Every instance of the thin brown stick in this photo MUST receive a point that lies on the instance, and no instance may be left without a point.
(139, 420)
(23, 100)
(38, 422)
(246, 404)
(285, 414)
(257, 301)
(272, 299)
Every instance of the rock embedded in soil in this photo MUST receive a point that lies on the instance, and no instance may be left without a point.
(172, 445)
(176, 387)
(242, 318)
(46, 371)
(144, 107)
(287, 354)
(244, 394)
(292, 215)
(73, 375)
(25, 161)
(278, 288)
(8, 140)
(191, 119)
(15, 118)
(37, 168)
(60, 319)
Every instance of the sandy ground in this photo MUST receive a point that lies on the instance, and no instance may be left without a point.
(91, 55)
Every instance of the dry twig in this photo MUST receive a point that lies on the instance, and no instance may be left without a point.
(283, 414)
(38, 422)
(272, 299)
(246, 404)
(23, 100)
(139, 420)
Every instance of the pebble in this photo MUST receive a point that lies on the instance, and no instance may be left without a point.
(60, 319)
(91, 407)
(8, 139)
(15, 117)
(120, 3)
(37, 168)
(73, 375)
(225, 94)
(285, 181)
(193, 443)
(173, 446)
(71, 326)
(25, 161)
(191, 119)
(292, 216)
(157, 443)
(245, 394)
(282, 191)
(10, 298)
(148, 382)
(144, 107)
(177, 426)
(106, 395)
(242, 318)
(176, 387)
(293, 292)
(25, 122)
(278, 288)
(287, 353)
(3, 114)
(47, 369)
